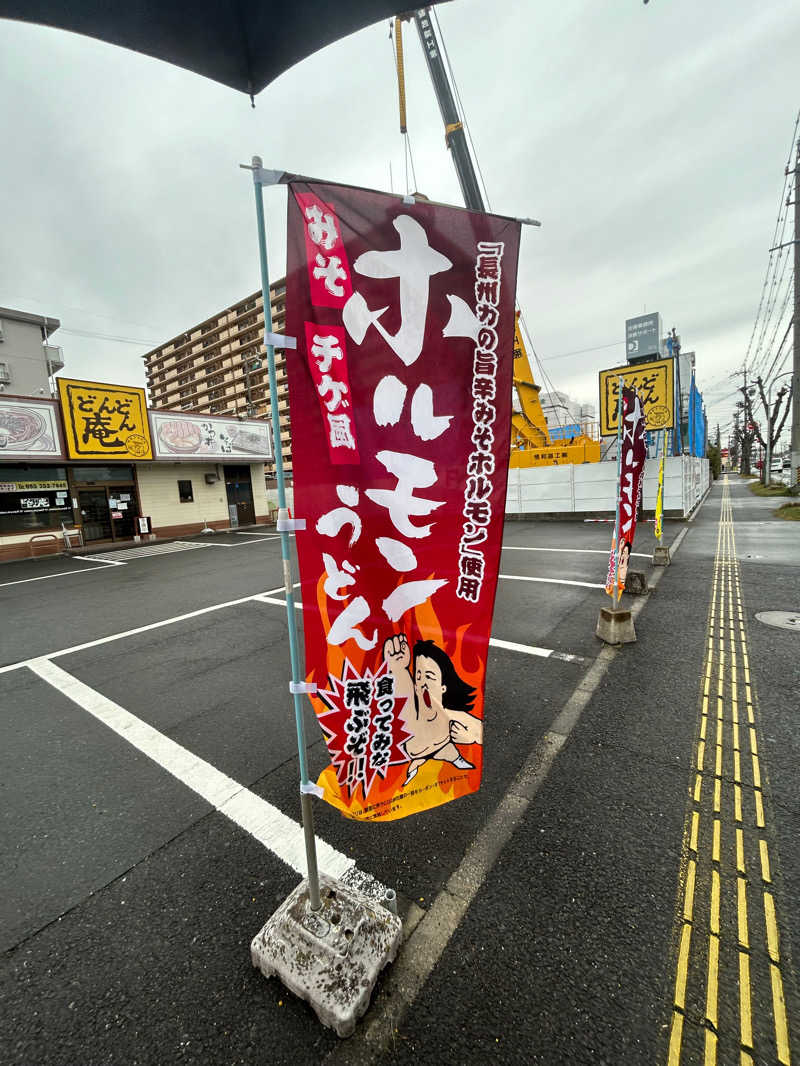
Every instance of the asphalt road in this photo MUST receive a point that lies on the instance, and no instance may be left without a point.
(129, 898)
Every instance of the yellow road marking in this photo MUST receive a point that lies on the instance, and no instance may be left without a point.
(759, 810)
(741, 909)
(740, 851)
(745, 1018)
(765, 874)
(714, 917)
(772, 928)
(711, 1048)
(779, 1011)
(726, 641)
(675, 1036)
(688, 903)
(683, 966)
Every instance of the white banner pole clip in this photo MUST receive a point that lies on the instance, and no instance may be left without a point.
(278, 340)
(302, 688)
(310, 789)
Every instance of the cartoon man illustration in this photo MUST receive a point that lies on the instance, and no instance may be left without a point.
(437, 705)
(622, 565)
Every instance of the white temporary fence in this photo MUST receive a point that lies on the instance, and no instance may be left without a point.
(591, 487)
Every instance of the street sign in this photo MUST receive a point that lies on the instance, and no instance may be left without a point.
(643, 336)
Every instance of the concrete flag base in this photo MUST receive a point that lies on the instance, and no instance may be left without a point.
(636, 583)
(615, 626)
(330, 957)
(661, 555)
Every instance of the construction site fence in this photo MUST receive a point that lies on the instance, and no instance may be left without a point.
(591, 488)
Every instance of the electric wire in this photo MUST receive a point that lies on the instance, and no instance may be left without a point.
(761, 353)
(777, 239)
(766, 374)
(108, 337)
(460, 104)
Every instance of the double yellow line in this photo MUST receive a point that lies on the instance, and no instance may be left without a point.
(727, 811)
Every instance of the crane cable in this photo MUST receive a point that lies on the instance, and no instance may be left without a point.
(396, 42)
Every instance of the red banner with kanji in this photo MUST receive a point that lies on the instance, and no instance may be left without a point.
(631, 481)
(400, 402)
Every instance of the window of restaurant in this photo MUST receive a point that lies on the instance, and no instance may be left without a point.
(33, 498)
(108, 501)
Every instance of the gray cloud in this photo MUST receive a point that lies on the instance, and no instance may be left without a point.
(650, 141)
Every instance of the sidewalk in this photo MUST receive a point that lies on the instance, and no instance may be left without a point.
(569, 952)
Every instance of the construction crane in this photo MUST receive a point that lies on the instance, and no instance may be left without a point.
(530, 438)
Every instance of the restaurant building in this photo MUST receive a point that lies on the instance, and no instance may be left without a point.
(98, 460)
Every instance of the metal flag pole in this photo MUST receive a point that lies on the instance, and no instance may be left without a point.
(297, 686)
(615, 590)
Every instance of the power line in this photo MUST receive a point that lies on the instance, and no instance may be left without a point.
(581, 351)
(108, 337)
(780, 223)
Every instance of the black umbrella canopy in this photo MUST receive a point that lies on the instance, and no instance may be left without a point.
(244, 44)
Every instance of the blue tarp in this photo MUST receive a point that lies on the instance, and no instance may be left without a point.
(697, 422)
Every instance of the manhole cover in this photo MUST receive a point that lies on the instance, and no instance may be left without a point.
(782, 619)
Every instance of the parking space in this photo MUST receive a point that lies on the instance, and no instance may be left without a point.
(81, 805)
(151, 720)
(26, 571)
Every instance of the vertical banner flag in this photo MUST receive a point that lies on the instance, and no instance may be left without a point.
(631, 477)
(400, 394)
(659, 526)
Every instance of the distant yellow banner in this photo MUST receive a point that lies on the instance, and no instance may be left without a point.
(654, 382)
(104, 421)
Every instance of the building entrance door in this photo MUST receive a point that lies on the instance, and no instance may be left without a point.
(95, 515)
(108, 501)
(240, 493)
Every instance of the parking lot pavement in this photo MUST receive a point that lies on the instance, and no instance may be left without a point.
(167, 693)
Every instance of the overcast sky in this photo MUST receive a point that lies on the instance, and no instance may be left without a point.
(649, 140)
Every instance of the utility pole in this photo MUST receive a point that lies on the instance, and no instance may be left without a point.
(794, 475)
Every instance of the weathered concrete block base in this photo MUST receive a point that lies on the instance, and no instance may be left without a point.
(636, 583)
(615, 626)
(331, 957)
(661, 555)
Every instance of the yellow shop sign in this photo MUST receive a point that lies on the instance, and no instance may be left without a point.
(104, 421)
(654, 382)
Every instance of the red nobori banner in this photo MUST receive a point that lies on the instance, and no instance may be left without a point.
(400, 394)
(631, 480)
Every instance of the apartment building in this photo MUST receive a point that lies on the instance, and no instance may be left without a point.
(27, 360)
(219, 366)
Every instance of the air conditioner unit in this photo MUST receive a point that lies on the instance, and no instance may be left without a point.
(5, 374)
(211, 479)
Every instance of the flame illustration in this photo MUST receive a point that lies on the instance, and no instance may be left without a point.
(384, 797)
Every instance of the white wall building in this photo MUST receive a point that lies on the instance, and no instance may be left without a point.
(561, 411)
(27, 360)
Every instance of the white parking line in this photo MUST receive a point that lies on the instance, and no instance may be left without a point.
(572, 551)
(531, 649)
(551, 581)
(134, 632)
(270, 826)
(48, 577)
(494, 642)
